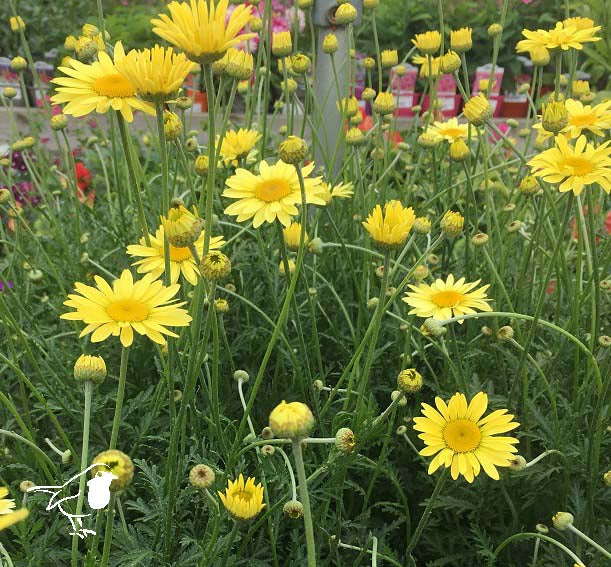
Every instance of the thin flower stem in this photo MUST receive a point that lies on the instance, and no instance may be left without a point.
(305, 500)
(229, 543)
(110, 516)
(427, 512)
(88, 389)
(370, 551)
(209, 194)
(527, 535)
(289, 468)
(116, 422)
(585, 538)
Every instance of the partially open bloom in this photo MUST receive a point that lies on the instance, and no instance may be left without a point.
(390, 229)
(554, 116)
(282, 44)
(291, 420)
(88, 368)
(200, 28)
(428, 42)
(339, 191)
(292, 235)
(243, 500)
(384, 103)
(595, 119)
(345, 14)
(389, 58)
(98, 86)
(443, 300)
(449, 62)
(464, 441)
(272, 194)
(239, 64)
(144, 306)
(450, 130)
(181, 257)
(566, 37)
(237, 145)
(156, 73)
(8, 515)
(17, 24)
(460, 40)
(574, 167)
(477, 110)
(452, 223)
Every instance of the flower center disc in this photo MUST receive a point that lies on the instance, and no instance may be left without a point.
(576, 166)
(127, 310)
(272, 190)
(114, 85)
(179, 253)
(447, 298)
(453, 132)
(243, 495)
(462, 435)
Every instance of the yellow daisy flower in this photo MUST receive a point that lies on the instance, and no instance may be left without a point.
(425, 71)
(156, 73)
(535, 41)
(181, 259)
(568, 37)
(243, 499)
(596, 119)
(443, 300)
(574, 167)
(98, 87)
(578, 23)
(464, 441)
(6, 504)
(199, 29)
(340, 191)
(238, 144)
(428, 42)
(144, 306)
(271, 195)
(390, 229)
(450, 130)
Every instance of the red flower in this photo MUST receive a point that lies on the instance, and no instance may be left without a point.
(83, 176)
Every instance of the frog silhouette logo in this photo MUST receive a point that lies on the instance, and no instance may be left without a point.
(98, 497)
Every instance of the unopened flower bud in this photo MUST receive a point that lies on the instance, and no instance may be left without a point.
(267, 433)
(293, 509)
(344, 440)
(517, 463)
(293, 150)
(562, 520)
(400, 396)
(201, 476)
(409, 380)
(241, 375)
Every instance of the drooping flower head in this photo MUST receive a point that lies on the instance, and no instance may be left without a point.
(443, 300)
(272, 194)
(464, 441)
(574, 167)
(98, 87)
(181, 258)
(144, 306)
(200, 29)
(242, 499)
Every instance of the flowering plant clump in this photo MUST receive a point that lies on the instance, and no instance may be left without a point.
(277, 289)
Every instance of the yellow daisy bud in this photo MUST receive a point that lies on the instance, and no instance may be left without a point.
(452, 223)
(282, 44)
(389, 58)
(449, 62)
(529, 185)
(215, 266)
(18, 64)
(345, 441)
(292, 234)
(70, 43)
(172, 125)
(9, 92)
(562, 520)
(293, 150)
(5, 195)
(349, 106)
(368, 94)
(346, 14)
(555, 116)
(354, 137)
(201, 476)
(581, 87)
(293, 509)
(117, 463)
(422, 225)
(256, 24)
(89, 368)
(86, 49)
(370, 4)
(291, 420)
(607, 478)
(201, 165)
(384, 103)
(428, 140)
(301, 63)
(292, 266)
(460, 40)
(409, 380)
(428, 42)
(433, 328)
(89, 30)
(459, 151)
(221, 305)
(239, 65)
(369, 63)
(477, 110)
(495, 30)
(17, 24)
(330, 44)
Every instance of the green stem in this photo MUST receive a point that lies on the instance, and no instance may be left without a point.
(229, 544)
(305, 500)
(110, 516)
(116, 422)
(527, 535)
(585, 538)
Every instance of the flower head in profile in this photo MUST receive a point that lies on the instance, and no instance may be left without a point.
(98, 87)
(8, 515)
(243, 499)
(428, 42)
(463, 440)
(145, 306)
(198, 28)
(390, 229)
(574, 167)
(339, 191)
(181, 258)
(156, 73)
(427, 69)
(566, 37)
(450, 130)
(443, 300)
(272, 194)
(595, 119)
(238, 145)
